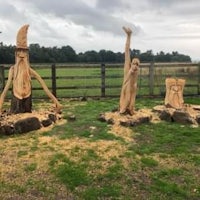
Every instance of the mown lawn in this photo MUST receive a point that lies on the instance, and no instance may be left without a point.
(86, 159)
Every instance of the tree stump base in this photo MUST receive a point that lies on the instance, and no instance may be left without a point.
(26, 122)
(139, 117)
(189, 114)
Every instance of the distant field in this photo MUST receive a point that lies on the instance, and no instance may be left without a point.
(77, 80)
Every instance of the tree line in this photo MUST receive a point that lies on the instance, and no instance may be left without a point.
(66, 54)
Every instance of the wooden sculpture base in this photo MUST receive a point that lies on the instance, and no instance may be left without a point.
(139, 117)
(189, 114)
(26, 122)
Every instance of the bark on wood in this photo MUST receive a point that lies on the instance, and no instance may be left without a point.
(21, 105)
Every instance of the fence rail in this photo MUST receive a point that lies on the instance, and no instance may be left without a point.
(105, 80)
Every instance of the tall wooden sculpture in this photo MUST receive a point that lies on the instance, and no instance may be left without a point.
(20, 77)
(174, 93)
(129, 87)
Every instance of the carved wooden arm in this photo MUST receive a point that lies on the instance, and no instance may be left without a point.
(127, 50)
(45, 88)
(6, 88)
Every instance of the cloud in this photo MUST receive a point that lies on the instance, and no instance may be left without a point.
(176, 7)
(7, 9)
(97, 24)
(111, 5)
(78, 12)
(177, 37)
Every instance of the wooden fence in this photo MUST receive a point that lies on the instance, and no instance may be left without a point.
(105, 80)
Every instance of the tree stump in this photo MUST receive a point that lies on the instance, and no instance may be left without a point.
(21, 105)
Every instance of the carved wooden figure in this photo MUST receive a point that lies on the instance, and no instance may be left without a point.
(129, 87)
(20, 77)
(174, 93)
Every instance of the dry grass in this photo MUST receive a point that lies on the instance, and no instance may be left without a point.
(132, 163)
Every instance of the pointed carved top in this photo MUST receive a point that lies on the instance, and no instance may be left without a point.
(21, 39)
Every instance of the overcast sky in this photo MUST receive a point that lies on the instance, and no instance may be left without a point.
(160, 25)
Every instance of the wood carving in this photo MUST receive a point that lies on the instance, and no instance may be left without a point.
(129, 87)
(174, 93)
(20, 77)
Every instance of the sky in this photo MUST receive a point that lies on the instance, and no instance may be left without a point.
(158, 25)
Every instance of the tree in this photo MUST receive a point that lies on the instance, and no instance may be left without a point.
(135, 53)
(38, 54)
(162, 57)
(146, 56)
(91, 57)
(68, 54)
(7, 54)
(102, 55)
(35, 53)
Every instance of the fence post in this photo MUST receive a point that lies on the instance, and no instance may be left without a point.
(2, 78)
(151, 78)
(103, 85)
(53, 76)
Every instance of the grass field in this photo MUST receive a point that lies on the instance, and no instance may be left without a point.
(84, 159)
(80, 80)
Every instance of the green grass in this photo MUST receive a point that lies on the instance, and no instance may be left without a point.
(5, 187)
(149, 162)
(114, 78)
(170, 190)
(83, 160)
(69, 172)
(81, 127)
(170, 138)
(22, 153)
(105, 192)
(31, 167)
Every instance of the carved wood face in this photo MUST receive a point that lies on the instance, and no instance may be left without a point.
(135, 64)
(21, 53)
(174, 92)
